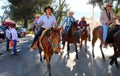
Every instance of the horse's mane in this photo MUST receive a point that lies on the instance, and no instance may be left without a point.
(47, 33)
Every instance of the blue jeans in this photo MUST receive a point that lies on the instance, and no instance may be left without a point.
(105, 32)
(7, 44)
(14, 46)
(64, 31)
(37, 35)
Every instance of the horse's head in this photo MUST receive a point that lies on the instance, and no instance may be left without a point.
(74, 28)
(55, 36)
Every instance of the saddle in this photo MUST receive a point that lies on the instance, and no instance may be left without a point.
(43, 33)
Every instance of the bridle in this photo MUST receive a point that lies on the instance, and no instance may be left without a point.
(52, 44)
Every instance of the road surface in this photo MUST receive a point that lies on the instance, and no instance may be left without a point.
(28, 64)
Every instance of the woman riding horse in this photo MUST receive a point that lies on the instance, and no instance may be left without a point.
(84, 32)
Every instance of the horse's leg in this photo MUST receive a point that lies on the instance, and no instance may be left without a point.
(101, 43)
(48, 57)
(40, 52)
(113, 59)
(76, 50)
(68, 48)
(85, 44)
(94, 39)
(81, 43)
(115, 56)
(63, 43)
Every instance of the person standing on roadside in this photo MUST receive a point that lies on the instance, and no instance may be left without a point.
(8, 36)
(14, 39)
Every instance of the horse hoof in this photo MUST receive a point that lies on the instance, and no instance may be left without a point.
(31, 49)
(61, 52)
(110, 57)
(76, 60)
(118, 66)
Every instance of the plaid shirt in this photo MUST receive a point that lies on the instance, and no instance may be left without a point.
(67, 21)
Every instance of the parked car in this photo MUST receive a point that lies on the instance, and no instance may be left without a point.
(2, 33)
(20, 31)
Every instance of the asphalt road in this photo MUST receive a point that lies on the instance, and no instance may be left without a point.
(28, 64)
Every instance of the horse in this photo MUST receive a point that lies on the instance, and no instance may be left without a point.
(113, 38)
(51, 44)
(97, 33)
(116, 46)
(71, 36)
(84, 36)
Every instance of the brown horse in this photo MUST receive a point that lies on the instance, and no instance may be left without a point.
(97, 34)
(84, 36)
(71, 36)
(51, 44)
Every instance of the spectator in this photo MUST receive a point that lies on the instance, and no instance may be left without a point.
(14, 39)
(8, 36)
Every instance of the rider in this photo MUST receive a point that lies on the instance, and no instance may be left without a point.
(81, 26)
(67, 22)
(47, 20)
(106, 18)
(35, 22)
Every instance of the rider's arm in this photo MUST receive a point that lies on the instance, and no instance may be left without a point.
(54, 21)
(40, 20)
(102, 18)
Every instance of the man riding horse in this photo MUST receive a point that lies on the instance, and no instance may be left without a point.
(67, 21)
(106, 18)
(47, 20)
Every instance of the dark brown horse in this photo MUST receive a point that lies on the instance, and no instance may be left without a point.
(71, 36)
(84, 36)
(51, 44)
(97, 34)
(116, 46)
(114, 39)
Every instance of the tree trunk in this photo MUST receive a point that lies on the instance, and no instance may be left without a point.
(25, 23)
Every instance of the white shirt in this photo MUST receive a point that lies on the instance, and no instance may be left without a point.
(47, 21)
(14, 34)
(8, 33)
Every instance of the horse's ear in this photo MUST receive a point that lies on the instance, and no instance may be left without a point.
(60, 30)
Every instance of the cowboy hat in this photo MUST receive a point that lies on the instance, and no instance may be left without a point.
(48, 7)
(108, 5)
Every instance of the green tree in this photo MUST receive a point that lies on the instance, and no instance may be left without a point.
(24, 10)
(101, 4)
(61, 9)
(5, 13)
